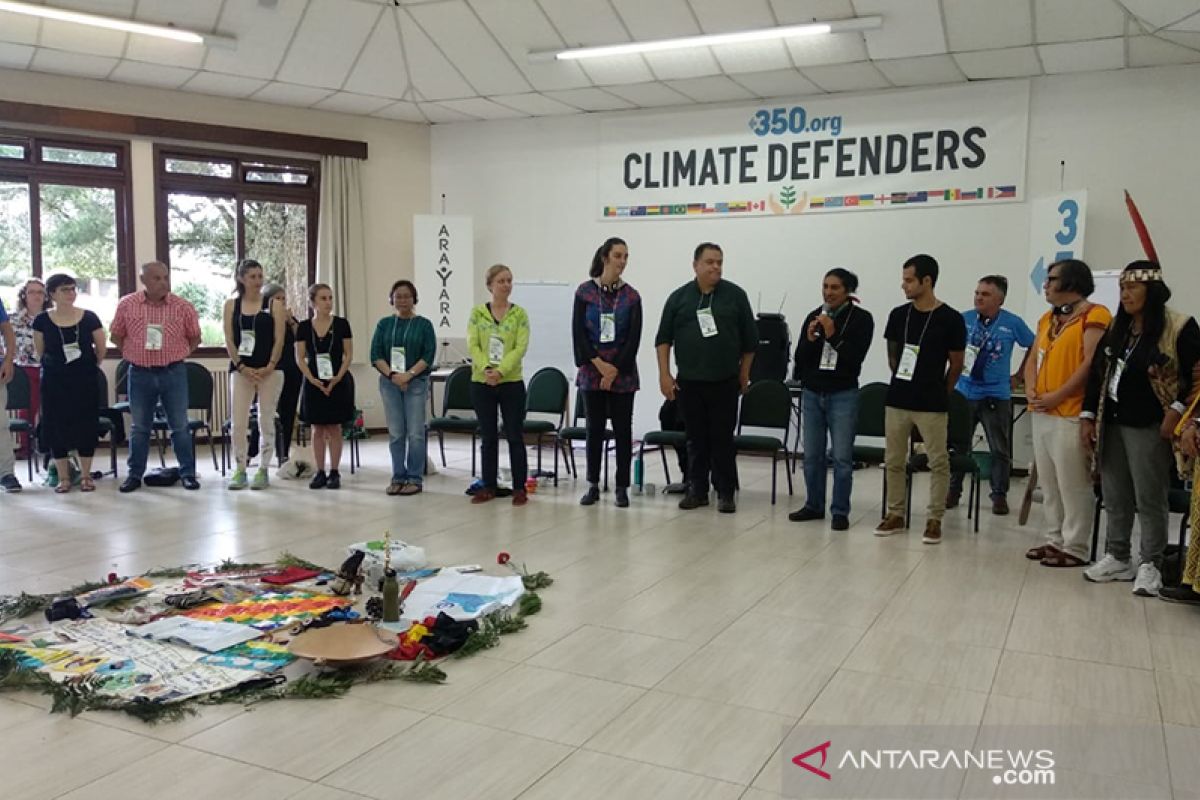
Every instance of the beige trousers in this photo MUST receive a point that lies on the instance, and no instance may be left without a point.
(243, 390)
(898, 423)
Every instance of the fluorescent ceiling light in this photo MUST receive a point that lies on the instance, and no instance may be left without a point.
(115, 24)
(759, 35)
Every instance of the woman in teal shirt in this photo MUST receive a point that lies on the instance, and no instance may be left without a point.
(402, 350)
(498, 336)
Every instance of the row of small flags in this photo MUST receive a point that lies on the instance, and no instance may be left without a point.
(844, 201)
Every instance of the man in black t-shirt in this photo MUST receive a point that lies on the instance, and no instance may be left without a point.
(923, 336)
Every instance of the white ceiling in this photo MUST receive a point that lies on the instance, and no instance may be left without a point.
(449, 60)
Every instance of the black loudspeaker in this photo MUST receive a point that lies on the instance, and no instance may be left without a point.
(774, 348)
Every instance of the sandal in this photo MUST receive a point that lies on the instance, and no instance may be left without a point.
(410, 489)
(1060, 559)
(1038, 553)
(87, 485)
(62, 488)
(394, 488)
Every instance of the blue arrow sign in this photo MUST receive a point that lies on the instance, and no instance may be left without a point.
(1038, 274)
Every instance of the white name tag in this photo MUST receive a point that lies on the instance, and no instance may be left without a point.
(324, 366)
(154, 337)
(1114, 382)
(829, 357)
(608, 328)
(969, 357)
(399, 360)
(71, 352)
(708, 323)
(495, 350)
(908, 362)
(246, 346)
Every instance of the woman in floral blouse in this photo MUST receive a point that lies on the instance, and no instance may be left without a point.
(31, 301)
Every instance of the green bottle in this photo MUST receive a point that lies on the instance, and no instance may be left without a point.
(391, 597)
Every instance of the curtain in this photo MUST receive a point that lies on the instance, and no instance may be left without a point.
(340, 240)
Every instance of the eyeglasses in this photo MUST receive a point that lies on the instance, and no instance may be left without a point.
(1049, 280)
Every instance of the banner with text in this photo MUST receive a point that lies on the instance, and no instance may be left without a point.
(924, 148)
(444, 261)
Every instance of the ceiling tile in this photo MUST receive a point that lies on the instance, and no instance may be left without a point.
(910, 28)
(1013, 62)
(148, 49)
(75, 38)
(846, 77)
(78, 64)
(196, 15)
(778, 83)
(381, 70)
(1191, 23)
(15, 56)
(694, 62)
(585, 22)
(836, 48)
(348, 103)
(328, 41)
(591, 99)
(791, 12)
(227, 85)
(289, 94)
(649, 95)
(716, 89)
(151, 74)
(428, 70)
(721, 16)
(262, 35)
(522, 28)
(18, 28)
(619, 69)
(1101, 54)
(405, 112)
(110, 8)
(988, 24)
(482, 108)
(1161, 13)
(661, 19)
(752, 57)
(1076, 20)
(1150, 51)
(435, 113)
(455, 29)
(535, 105)
(1184, 38)
(922, 71)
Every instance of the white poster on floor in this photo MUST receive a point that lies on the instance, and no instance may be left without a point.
(444, 260)
(925, 148)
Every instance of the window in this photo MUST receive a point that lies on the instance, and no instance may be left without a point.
(64, 207)
(214, 209)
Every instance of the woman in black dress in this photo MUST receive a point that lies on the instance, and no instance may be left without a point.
(289, 397)
(324, 348)
(70, 345)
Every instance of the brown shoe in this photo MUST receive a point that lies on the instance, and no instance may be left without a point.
(933, 532)
(1000, 506)
(482, 496)
(520, 497)
(892, 523)
(952, 499)
(394, 488)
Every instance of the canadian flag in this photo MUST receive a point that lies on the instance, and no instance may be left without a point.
(758, 205)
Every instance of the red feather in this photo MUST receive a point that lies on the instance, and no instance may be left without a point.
(1140, 226)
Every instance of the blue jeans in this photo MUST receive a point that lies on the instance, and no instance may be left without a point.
(149, 387)
(405, 412)
(829, 417)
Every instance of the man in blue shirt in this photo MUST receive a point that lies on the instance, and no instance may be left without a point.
(8, 481)
(986, 381)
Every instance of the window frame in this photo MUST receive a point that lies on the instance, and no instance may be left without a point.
(34, 173)
(241, 191)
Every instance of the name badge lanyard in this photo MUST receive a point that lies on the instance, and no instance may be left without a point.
(72, 351)
(324, 360)
(155, 330)
(246, 341)
(1119, 368)
(908, 360)
(829, 351)
(973, 350)
(704, 316)
(608, 320)
(400, 354)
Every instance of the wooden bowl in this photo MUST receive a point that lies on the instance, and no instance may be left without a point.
(343, 643)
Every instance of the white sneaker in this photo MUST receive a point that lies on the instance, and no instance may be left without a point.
(1148, 582)
(1110, 569)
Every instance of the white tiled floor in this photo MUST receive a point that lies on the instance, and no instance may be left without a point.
(675, 652)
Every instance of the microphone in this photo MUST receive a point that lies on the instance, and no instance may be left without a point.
(820, 331)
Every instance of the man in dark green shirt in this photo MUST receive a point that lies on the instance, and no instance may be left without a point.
(710, 324)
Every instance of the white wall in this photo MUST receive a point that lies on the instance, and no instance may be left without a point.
(531, 187)
(395, 178)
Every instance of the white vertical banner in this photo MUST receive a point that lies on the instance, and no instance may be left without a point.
(1056, 229)
(444, 261)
